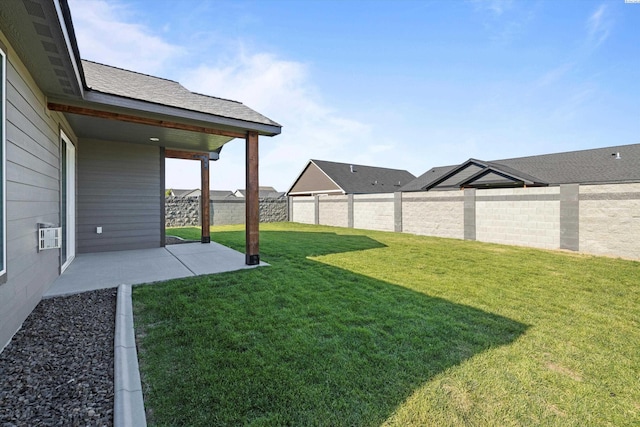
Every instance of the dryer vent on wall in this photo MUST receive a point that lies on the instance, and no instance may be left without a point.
(49, 237)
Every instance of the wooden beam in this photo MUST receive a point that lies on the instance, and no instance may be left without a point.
(205, 211)
(186, 155)
(141, 120)
(252, 203)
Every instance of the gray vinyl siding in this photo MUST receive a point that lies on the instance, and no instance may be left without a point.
(119, 189)
(33, 196)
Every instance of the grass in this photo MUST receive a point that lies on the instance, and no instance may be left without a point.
(362, 328)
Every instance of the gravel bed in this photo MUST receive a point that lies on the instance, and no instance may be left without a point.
(58, 369)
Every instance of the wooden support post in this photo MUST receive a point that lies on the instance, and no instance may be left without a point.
(252, 206)
(204, 198)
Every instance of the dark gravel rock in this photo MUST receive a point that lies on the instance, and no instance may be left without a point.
(58, 369)
(174, 240)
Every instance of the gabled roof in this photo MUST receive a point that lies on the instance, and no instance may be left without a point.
(353, 179)
(616, 164)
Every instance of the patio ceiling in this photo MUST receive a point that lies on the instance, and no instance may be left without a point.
(139, 133)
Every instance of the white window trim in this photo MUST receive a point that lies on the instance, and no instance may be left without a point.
(70, 221)
(3, 164)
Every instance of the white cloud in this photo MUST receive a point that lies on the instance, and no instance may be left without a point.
(599, 26)
(105, 35)
(279, 88)
(496, 7)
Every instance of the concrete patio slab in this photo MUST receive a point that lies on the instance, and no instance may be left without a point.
(208, 259)
(109, 269)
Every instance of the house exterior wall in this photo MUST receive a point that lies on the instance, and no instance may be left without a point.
(438, 214)
(374, 211)
(610, 220)
(120, 190)
(519, 216)
(33, 194)
(334, 210)
(303, 209)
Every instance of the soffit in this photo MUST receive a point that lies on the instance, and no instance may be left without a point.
(34, 31)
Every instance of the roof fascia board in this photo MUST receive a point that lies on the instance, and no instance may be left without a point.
(70, 42)
(298, 177)
(453, 172)
(143, 120)
(491, 169)
(313, 193)
(116, 104)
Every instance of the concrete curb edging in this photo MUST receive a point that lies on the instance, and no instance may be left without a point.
(128, 407)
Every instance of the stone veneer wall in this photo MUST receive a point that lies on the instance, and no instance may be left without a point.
(182, 211)
(185, 211)
(596, 219)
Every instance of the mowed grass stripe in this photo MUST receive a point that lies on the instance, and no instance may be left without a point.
(353, 327)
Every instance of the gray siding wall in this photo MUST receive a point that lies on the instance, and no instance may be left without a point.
(120, 190)
(33, 195)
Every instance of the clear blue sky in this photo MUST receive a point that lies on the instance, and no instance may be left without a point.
(400, 84)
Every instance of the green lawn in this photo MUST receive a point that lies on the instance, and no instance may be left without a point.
(362, 328)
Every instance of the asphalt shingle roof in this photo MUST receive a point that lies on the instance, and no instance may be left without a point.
(593, 166)
(129, 84)
(364, 179)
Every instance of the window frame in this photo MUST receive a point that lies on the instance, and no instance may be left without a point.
(3, 162)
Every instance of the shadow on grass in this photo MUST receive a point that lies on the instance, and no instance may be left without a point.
(300, 342)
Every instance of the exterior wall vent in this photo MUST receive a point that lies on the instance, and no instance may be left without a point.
(49, 237)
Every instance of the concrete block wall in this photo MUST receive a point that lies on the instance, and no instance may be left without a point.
(595, 219)
(373, 211)
(519, 216)
(610, 220)
(334, 210)
(303, 209)
(439, 214)
(227, 212)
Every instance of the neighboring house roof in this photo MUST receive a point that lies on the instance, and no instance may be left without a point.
(324, 177)
(221, 195)
(616, 164)
(184, 193)
(263, 193)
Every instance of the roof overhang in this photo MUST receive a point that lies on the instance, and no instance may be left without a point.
(42, 35)
(142, 122)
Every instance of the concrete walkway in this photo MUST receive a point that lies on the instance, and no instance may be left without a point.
(102, 270)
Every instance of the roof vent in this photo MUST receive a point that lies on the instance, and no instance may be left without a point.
(351, 168)
(616, 155)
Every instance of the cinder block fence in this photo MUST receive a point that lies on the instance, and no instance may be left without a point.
(595, 219)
